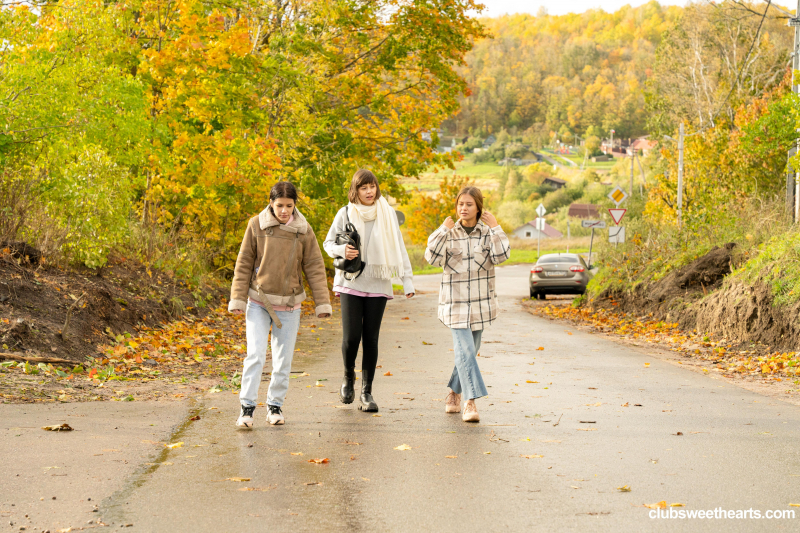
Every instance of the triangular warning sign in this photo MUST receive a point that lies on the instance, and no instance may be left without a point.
(617, 214)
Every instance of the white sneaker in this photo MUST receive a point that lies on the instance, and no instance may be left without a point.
(275, 417)
(245, 420)
(453, 403)
(470, 413)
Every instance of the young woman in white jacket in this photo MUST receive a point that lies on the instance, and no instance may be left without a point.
(363, 296)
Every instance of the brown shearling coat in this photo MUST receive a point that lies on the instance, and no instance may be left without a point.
(273, 257)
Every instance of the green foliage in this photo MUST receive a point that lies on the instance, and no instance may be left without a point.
(89, 198)
(776, 264)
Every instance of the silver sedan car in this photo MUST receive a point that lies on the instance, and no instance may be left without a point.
(559, 274)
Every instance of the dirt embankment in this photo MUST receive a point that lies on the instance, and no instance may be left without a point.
(696, 298)
(35, 301)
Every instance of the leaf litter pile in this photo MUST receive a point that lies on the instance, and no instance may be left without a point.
(181, 357)
(727, 358)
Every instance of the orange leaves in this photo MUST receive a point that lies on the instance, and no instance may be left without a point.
(697, 345)
(319, 461)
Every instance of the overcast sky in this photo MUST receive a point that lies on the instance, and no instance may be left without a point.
(495, 8)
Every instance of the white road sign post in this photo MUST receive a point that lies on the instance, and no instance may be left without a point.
(539, 229)
(594, 224)
(616, 235)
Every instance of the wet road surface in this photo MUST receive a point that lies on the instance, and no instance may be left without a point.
(562, 429)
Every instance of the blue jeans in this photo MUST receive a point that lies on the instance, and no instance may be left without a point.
(283, 340)
(466, 374)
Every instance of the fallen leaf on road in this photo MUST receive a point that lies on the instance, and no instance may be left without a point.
(680, 433)
(676, 505)
(194, 418)
(588, 422)
(297, 453)
(574, 487)
(174, 445)
(304, 374)
(319, 461)
(529, 381)
(587, 429)
(531, 456)
(237, 479)
(624, 488)
(540, 348)
(427, 343)
(318, 384)
(151, 442)
(387, 374)
(353, 443)
(405, 318)
(311, 483)
(65, 530)
(376, 415)
(60, 427)
(647, 365)
(637, 405)
(365, 478)
(403, 447)
(259, 489)
(451, 457)
(487, 453)
(626, 404)
(598, 404)
(660, 505)
(794, 505)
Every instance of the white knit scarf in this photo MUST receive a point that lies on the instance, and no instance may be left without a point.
(385, 259)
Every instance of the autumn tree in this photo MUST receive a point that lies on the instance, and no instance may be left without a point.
(427, 212)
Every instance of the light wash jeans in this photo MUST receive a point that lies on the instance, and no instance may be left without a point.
(283, 340)
(466, 374)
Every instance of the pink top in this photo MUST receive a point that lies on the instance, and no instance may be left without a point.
(339, 289)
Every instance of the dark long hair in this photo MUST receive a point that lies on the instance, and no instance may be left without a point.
(283, 189)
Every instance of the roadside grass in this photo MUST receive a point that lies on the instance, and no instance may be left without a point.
(764, 248)
(777, 264)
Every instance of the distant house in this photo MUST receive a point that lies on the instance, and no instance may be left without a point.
(529, 231)
(584, 211)
(490, 140)
(643, 144)
(556, 183)
(517, 162)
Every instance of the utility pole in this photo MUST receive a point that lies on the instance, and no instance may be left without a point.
(633, 156)
(795, 22)
(680, 173)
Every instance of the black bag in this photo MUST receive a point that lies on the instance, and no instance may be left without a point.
(349, 236)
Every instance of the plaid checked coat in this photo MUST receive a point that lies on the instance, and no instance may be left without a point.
(467, 298)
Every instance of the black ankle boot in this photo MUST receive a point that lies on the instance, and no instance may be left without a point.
(347, 392)
(367, 401)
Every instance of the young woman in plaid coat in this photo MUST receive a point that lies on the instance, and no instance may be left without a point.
(467, 251)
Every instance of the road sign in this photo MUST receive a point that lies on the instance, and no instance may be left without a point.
(794, 22)
(618, 195)
(595, 224)
(616, 234)
(541, 210)
(540, 224)
(617, 214)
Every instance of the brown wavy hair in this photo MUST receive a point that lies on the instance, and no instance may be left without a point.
(360, 178)
(476, 195)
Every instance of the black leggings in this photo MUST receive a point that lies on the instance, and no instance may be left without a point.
(361, 322)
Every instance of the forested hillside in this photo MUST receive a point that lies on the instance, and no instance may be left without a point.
(564, 73)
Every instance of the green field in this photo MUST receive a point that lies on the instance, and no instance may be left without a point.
(484, 175)
(578, 160)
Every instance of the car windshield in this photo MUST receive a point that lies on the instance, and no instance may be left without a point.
(557, 259)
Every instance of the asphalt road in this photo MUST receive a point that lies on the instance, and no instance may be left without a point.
(591, 414)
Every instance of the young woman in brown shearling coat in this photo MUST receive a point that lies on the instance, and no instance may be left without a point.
(278, 247)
